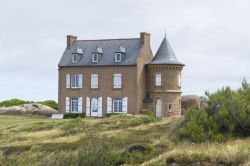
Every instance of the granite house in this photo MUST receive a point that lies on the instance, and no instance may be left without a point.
(119, 76)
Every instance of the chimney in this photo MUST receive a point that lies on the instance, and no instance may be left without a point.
(145, 38)
(70, 40)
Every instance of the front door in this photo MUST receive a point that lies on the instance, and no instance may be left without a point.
(94, 107)
(158, 108)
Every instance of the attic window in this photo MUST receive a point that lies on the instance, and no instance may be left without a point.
(118, 57)
(75, 58)
(95, 57)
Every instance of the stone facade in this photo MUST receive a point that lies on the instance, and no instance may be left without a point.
(137, 84)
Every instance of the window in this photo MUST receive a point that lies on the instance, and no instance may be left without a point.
(117, 80)
(158, 79)
(170, 107)
(179, 80)
(74, 105)
(94, 105)
(75, 58)
(117, 105)
(75, 81)
(95, 57)
(94, 81)
(118, 57)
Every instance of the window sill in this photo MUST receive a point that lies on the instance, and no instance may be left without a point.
(94, 88)
(117, 88)
(75, 88)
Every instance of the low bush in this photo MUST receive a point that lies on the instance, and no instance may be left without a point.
(74, 115)
(145, 111)
(13, 102)
(226, 116)
(50, 103)
(111, 114)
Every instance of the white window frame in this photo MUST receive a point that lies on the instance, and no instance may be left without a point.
(158, 80)
(179, 80)
(75, 58)
(94, 105)
(117, 105)
(74, 105)
(75, 81)
(117, 81)
(94, 81)
(95, 57)
(116, 57)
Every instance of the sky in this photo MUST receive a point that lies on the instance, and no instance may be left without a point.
(211, 37)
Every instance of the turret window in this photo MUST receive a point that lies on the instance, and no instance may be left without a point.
(179, 80)
(170, 107)
(158, 80)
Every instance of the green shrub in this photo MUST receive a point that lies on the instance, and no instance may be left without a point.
(111, 114)
(13, 102)
(50, 103)
(226, 116)
(74, 115)
(145, 111)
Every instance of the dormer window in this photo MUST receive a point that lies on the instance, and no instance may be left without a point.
(75, 58)
(95, 57)
(118, 57)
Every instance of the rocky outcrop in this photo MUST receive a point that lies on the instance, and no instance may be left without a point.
(35, 109)
(193, 101)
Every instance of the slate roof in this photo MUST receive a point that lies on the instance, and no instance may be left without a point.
(109, 47)
(165, 54)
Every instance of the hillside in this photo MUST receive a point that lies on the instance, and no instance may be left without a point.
(43, 141)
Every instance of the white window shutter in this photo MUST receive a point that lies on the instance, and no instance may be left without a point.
(100, 106)
(80, 104)
(125, 105)
(87, 106)
(96, 80)
(117, 80)
(67, 80)
(80, 80)
(109, 105)
(67, 104)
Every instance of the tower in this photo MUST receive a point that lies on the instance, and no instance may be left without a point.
(164, 82)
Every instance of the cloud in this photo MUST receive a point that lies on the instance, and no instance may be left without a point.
(210, 37)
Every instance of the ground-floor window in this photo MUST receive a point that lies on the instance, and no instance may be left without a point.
(73, 105)
(170, 107)
(117, 105)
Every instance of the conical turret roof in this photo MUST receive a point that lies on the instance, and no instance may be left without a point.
(165, 54)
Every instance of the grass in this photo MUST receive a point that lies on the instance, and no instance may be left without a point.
(39, 141)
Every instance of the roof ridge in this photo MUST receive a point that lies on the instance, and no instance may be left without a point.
(108, 39)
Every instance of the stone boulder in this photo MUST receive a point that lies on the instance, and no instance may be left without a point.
(33, 108)
(193, 101)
